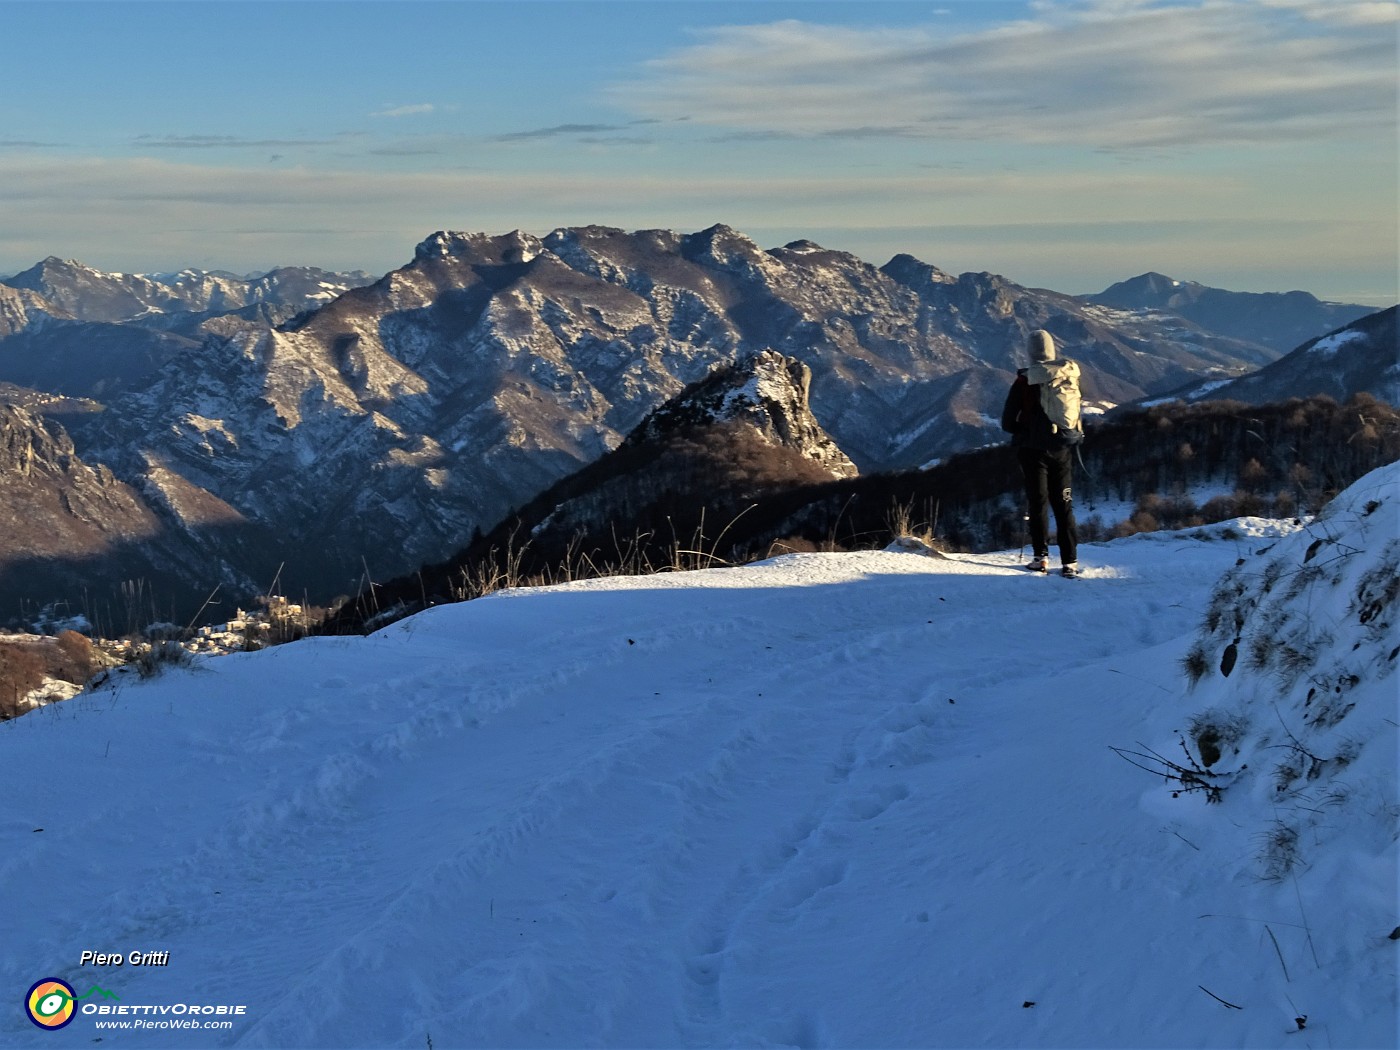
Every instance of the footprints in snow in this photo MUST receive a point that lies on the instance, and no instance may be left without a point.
(804, 868)
(875, 803)
(910, 735)
(801, 871)
(793, 896)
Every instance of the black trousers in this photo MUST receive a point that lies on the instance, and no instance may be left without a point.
(1048, 476)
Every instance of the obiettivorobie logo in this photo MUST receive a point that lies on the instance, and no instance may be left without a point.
(52, 1003)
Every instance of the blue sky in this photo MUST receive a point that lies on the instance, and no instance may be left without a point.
(1249, 144)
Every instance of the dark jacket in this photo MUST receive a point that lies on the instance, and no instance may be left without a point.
(1025, 420)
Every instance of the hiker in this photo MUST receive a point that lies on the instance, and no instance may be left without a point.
(1042, 416)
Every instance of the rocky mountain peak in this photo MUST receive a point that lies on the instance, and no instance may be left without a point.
(1150, 291)
(915, 273)
(764, 392)
(603, 250)
(580, 234)
(1152, 281)
(178, 301)
(92, 295)
(65, 281)
(45, 269)
(1280, 320)
(508, 248)
(725, 249)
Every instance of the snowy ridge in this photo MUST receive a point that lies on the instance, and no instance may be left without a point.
(825, 800)
(1329, 346)
(1360, 358)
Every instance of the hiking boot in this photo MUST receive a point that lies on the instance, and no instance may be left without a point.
(1037, 564)
(1070, 571)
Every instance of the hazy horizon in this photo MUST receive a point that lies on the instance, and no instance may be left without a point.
(1244, 144)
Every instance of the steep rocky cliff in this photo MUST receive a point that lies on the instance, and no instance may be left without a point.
(74, 533)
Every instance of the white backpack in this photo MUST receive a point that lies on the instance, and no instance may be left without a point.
(1059, 392)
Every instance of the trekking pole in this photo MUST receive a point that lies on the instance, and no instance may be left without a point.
(1080, 456)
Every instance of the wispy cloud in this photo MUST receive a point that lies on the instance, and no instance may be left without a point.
(111, 186)
(415, 110)
(221, 142)
(1102, 73)
(405, 151)
(616, 140)
(1340, 12)
(557, 131)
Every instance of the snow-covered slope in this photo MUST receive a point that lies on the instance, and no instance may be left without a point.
(828, 800)
(1363, 357)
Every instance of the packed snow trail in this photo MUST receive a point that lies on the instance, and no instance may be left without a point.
(828, 800)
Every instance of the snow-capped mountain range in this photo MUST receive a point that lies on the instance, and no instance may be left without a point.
(370, 427)
(87, 294)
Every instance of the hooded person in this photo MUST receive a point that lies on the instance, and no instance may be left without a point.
(1042, 416)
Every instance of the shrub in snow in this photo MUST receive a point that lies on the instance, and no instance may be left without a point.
(80, 660)
(1216, 732)
(158, 656)
(36, 670)
(21, 672)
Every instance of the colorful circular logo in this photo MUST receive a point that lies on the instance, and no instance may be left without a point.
(50, 1003)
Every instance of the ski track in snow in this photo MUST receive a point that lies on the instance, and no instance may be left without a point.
(802, 803)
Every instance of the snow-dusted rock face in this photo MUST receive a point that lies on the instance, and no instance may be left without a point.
(70, 330)
(765, 393)
(22, 309)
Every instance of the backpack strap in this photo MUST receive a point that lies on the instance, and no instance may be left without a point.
(1030, 399)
